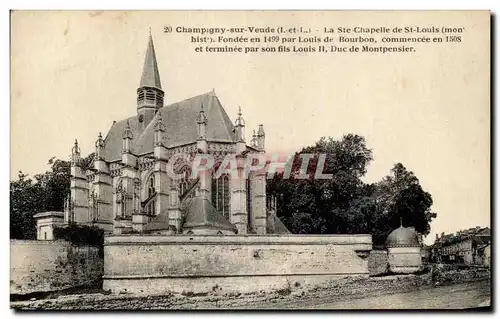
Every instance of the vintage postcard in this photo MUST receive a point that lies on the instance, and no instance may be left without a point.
(280, 160)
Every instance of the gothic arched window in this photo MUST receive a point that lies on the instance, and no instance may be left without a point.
(151, 208)
(184, 181)
(249, 201)
(151, 186)
(221, 194)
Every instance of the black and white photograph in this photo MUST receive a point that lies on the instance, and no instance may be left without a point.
(250, 160)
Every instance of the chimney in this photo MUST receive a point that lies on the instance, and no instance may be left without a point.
(442, 234)
(437, 236)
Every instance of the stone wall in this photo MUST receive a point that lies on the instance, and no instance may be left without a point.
(41, 266)
(242, 263)
(378, 262)
(340, 290)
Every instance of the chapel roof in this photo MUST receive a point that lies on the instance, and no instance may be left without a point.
(180, 127)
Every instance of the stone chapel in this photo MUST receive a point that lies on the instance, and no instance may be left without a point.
(128, 189)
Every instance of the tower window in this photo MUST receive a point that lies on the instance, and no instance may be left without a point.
(150, 95)
(140, 96)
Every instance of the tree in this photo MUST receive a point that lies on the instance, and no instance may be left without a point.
(26, 199)
(400, 200)
(345, 204)
(47, 192)
(320, 205)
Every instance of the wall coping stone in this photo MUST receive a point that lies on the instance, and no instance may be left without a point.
(49, 214)
(132, 239)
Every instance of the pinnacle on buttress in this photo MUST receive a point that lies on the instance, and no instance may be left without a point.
(239, 120)
(159, 125)
(202, 118)
(253, 142)
(127, 133)
(261, 138)
(75, 153)
(159, 129)
(261, 130)
(201, 121)
(99, 146)
(239, 127)
(100, 141)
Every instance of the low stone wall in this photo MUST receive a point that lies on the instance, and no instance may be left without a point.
(222, 264)
(42, 266)
(378, 262)
(340, 290)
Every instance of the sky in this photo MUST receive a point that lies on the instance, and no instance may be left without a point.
(74, 73)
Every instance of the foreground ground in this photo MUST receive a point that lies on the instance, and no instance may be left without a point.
(456, 290)
(454, 296)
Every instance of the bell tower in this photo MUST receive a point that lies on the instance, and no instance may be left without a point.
(149, 94)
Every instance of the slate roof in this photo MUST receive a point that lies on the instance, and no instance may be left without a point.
(201, 213)
(478, 234)
(150, 73)
(181, 127)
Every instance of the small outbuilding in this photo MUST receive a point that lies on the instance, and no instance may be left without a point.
(46, 222)
(403, 248)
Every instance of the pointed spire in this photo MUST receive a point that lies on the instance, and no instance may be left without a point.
(150, 74)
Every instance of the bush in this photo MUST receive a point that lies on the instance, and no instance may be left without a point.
(80, 235)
